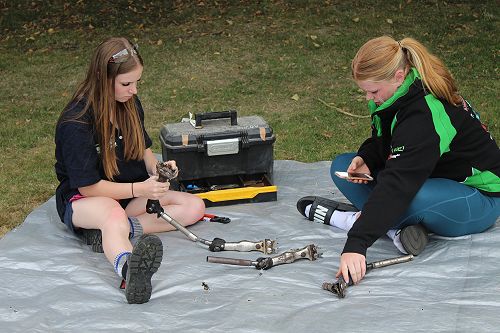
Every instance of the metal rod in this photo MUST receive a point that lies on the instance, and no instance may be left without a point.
(389, 262)
(183, 229)
(231, 261)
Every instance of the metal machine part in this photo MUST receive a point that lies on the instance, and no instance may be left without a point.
(266, 246)
(339, 287)
(308, 252)
(165, 172)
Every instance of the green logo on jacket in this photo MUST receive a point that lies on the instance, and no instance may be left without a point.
(399, 149)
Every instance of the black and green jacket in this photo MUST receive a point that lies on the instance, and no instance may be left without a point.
(416, 136)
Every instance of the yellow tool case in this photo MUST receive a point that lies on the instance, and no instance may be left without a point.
(222, 158)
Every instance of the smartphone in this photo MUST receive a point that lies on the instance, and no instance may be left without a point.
(353, 175)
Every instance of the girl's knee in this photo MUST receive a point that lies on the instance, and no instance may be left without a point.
(195, 208)
(117, 220)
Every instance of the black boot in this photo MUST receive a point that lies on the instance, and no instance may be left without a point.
(414, 238)
(141, 265)
(93, 237)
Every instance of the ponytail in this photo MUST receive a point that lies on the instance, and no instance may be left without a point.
(380, 58)
(436, 77)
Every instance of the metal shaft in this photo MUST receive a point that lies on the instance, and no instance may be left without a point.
(183, 229)
(389, 262)
(231, 261)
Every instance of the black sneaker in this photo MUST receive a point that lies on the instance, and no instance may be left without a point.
(93, 237)
(141, 265)
(414, 238)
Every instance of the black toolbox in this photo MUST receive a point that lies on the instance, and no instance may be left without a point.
(222, 158)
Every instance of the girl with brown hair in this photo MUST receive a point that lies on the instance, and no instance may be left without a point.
(107, 170)
(435, 166)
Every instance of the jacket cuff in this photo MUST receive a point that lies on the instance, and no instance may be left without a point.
(369, 162)
(354, 245)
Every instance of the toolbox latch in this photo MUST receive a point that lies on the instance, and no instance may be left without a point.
(223, 147)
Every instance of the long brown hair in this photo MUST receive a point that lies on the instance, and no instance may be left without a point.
(380, 58)
(98, 92)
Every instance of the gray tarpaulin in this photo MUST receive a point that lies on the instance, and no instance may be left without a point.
(51, 282)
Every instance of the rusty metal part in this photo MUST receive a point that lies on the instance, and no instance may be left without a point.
(339, 287)
(165, 172)
(308, 252)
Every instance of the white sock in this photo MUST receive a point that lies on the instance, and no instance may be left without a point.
(396, 239)
(339, 219)
(344, 220)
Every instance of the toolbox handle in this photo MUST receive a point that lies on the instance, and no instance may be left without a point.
(199, 117)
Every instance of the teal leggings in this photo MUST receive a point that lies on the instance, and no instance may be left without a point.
(445, 207)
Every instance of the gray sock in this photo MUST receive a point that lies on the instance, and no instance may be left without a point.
(135, 229)
(120, 260)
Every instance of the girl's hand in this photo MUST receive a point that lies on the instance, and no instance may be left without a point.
(358, 165)
(353, 265)
(151, 188)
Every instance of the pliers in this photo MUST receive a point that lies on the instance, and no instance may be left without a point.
(215, 218)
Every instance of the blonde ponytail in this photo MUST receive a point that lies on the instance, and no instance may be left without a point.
(379, 59)
(436, 77)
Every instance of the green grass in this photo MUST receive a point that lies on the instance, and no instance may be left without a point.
(252, 56)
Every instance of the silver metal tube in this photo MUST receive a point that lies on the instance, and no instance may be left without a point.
(231, 261)
(388, 262)
(179, 227)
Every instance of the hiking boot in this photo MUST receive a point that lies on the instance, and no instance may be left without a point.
(93, 237)
(141, 265)
(414, 238)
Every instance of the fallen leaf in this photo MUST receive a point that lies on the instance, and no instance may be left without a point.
(51, 30)
(356, 19)
(295, 97)
(313, 37)
(327, 134)
(389, 21)
(159, 42)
